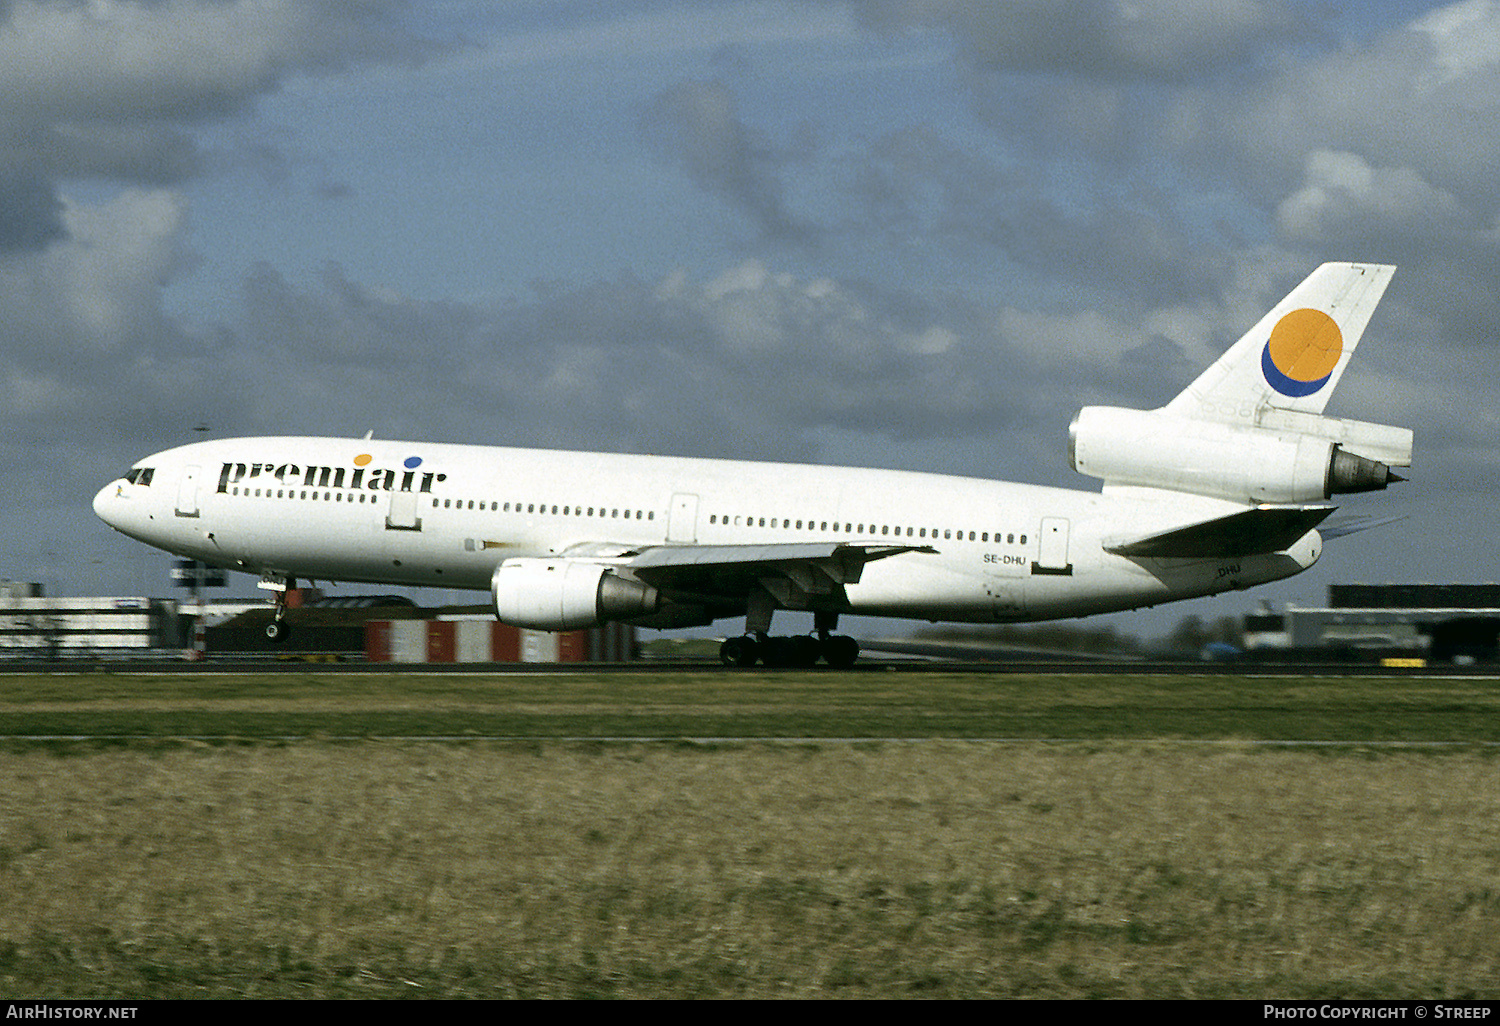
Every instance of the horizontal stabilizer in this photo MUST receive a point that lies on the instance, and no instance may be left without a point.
(1261, 529)
(1343, 526)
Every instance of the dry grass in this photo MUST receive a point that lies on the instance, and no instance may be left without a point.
(945, 868)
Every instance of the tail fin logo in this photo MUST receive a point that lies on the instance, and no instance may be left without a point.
(1302, 352)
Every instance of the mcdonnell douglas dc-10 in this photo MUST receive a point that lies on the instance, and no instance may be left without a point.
(1222, 488)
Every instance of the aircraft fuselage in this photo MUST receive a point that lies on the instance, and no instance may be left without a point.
(446, 515)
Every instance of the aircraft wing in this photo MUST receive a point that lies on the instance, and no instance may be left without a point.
(798, 574)
(1260, 529)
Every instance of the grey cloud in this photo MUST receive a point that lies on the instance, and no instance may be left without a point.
(97, 291)
(1130, 240)
(750, 364)
(183, 60)
(697, 125)
(1098, 39)
(30, 213)
(1113, 169)
(107, 90)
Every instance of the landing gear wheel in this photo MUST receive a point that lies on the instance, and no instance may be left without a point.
(805, 651)
(277, 632)
(739, 652)
(777, 652)
(840, 651)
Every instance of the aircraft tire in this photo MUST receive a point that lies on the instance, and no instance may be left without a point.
(805, 651)
(277, 632)
(840, 651)
(739, 652)
(774, 652)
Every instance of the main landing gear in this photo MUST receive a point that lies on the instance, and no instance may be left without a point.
(837, 650)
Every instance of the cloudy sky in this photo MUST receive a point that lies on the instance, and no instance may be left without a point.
(900, 233)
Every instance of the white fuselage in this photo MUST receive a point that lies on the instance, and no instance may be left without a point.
(447, 515)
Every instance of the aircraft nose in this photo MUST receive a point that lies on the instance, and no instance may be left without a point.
(106, 503)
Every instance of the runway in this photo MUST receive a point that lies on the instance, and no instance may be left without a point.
(912, 659)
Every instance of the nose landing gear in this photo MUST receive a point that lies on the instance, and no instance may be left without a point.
(278, 630)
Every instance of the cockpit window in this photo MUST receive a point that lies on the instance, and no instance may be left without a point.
(140, 476)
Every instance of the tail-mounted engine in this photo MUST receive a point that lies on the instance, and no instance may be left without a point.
(567, 594)
(1285, 457)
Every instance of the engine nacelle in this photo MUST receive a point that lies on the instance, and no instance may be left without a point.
(566, 594)
(1226, 461)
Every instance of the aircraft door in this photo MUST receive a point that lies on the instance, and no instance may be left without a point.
(1052, 554)
(403, 513)
(682, 522)
(187, 493)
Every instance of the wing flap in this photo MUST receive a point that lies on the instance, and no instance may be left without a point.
(1261, 529)
(808, 568)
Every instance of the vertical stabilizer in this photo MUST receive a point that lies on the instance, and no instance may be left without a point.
(1293, 358)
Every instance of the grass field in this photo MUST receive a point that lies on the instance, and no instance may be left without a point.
(717, 704)
(1125, 864)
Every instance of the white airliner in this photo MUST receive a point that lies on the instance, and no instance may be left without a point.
(1220, 489)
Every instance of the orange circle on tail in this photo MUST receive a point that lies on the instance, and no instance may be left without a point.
(1303, 350)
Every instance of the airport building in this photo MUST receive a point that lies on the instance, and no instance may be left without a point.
(377, 628)
(1436, 622)
(33, 626)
